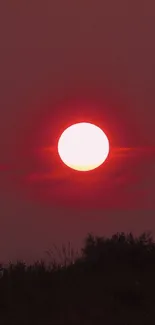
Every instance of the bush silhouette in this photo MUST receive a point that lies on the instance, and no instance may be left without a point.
(111, 281)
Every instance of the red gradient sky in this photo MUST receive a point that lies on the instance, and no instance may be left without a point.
(64, 62)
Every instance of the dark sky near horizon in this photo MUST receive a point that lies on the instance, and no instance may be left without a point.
(62, 62)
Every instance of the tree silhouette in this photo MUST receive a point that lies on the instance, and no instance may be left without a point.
(121, 247)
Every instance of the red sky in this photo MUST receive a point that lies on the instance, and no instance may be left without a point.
(64, 62)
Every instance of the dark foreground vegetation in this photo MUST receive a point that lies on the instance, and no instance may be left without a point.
(112, 282)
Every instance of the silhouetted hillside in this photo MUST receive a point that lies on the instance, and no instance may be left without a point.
(111, 282)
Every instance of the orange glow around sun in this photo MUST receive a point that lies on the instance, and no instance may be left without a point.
(83, 146)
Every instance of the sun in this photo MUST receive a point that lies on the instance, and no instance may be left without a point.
(83, 146)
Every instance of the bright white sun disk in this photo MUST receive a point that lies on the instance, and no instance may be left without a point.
(83, 146)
